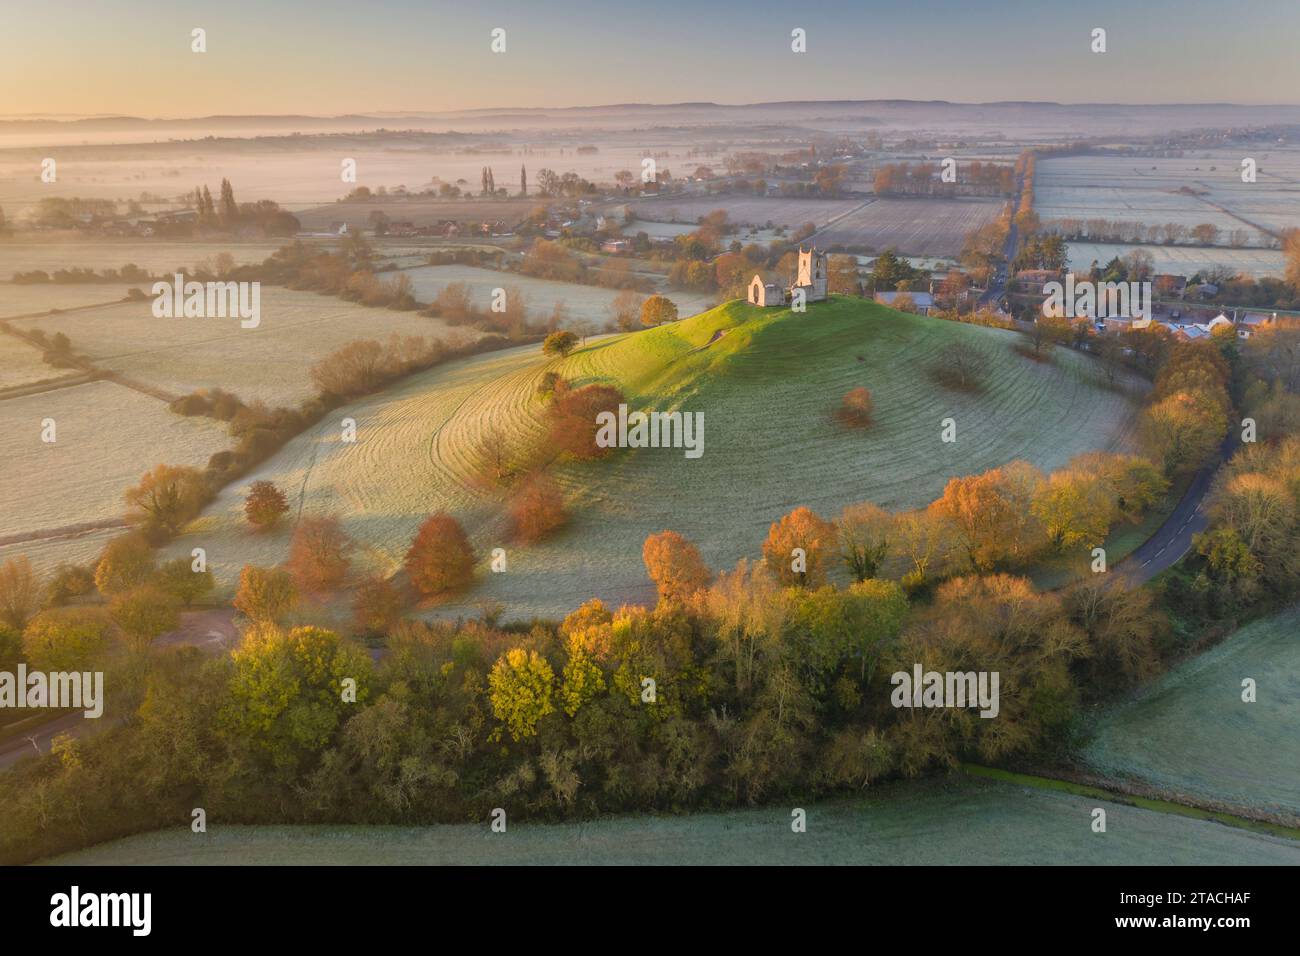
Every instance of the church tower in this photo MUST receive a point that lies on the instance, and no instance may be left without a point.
(812, 276)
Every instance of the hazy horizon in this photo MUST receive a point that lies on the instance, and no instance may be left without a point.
(398, 56)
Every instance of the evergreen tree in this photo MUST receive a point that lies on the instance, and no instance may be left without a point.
(207, 209)
(523, 180)
(229, 211)
(492, 183)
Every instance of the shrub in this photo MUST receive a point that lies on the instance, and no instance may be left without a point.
(855, 408)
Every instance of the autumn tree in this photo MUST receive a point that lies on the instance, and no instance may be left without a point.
(799, 547)
(440, 558)
(265, 594)
(495, 448)
(265, 505)
(125, 563)
(1291, 250)
(20, 592)
(537, 510)
(179, 579)
(923, 539)
(842, 275)
(320, 554)
(167, 497)
(1182, 431)
(991, 515)
(657, 310)
(674, 565)
(559, 343)
(574, 424)
(521, 688)
(66, 638)
(290, 693)
(143, 614)
(1123, 626)
(865, 533)
(1075, 508)
(625, 310)
(960, 367)
(377, 606)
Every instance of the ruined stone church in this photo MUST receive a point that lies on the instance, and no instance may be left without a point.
(810, 276)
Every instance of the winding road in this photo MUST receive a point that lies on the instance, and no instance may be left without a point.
(1173, 539)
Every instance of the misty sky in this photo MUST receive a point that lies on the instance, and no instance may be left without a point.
(337, 56)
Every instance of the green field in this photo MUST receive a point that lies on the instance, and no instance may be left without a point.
(767, 388)
(939, 822)
(1190, 733)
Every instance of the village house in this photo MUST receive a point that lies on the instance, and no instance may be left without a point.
(922, 302)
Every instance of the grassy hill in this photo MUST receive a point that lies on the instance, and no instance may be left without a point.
(1190, 733)
(767, 382)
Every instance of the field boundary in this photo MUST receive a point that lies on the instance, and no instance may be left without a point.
(1158, 804)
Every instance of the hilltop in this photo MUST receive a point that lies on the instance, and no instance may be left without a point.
(767, 382)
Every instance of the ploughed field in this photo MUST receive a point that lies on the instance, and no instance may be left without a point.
(1203, 186)
(767, 383)
(1191, 733)
(934, 822)
(752, 211)
(920, 227)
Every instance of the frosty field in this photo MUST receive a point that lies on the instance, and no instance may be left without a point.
(790, 213)
(767, 389)
(1147, 189)
(1182, 260)
(583, 302)
(919, 227)
(157, 257)
(943, 822)
(270, 362)
(18, 300)
(107, 436)
(20, 363)
(1191, 732)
